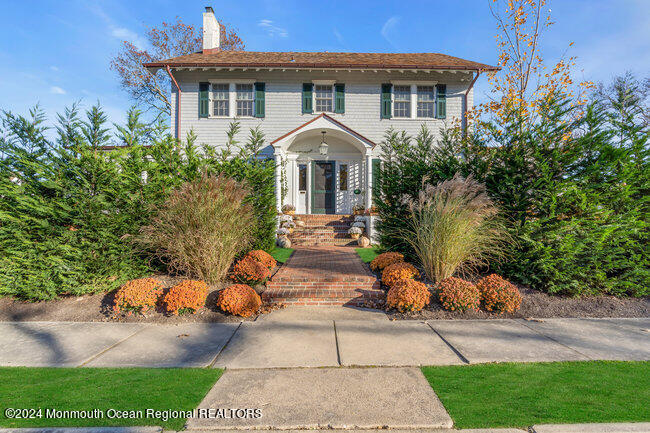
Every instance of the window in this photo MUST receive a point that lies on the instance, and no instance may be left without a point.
(426, 101)
(244, 100)
(324, 97)
(221, 99)
(343, 177)
(402, 106)
(302, 177)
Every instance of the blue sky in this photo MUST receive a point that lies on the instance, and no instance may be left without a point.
(58, 52)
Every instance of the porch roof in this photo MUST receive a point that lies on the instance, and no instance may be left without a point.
(338, 125)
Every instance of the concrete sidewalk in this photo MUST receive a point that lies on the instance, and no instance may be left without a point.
(339, 338)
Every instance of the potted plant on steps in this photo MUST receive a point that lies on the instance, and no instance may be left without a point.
(355, 232)
(288, 209)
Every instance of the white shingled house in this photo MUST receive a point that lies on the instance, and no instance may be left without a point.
(323, 113)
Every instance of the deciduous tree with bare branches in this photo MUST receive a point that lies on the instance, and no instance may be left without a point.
(152, 91)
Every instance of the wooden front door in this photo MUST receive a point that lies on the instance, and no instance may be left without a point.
(322, 187)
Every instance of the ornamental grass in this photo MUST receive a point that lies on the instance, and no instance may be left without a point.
(262, 257)
(385, 259)
(137, 296)
(454, 227)
(239, 300)
(398, 271)
(456, 294)
(186, 297)
(408, 295)
(200, 228)
(498, 294)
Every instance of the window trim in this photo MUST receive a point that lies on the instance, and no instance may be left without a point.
(232, 100)
(414, 99)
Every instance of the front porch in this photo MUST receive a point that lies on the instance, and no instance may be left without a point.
(324, 167)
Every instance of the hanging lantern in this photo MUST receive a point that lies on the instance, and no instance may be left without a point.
(323, 145)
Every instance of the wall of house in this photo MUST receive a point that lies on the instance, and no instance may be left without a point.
(284, 103)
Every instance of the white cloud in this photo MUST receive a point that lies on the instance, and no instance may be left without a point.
(124, 34)
(273, 30)
(57, 90)
(54, 68)
(339, 36)
(389, 27)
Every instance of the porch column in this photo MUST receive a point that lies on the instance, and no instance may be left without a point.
(278, 179)
(369, 184)
(308, 204)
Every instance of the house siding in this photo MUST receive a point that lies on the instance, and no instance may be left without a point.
(283, 103)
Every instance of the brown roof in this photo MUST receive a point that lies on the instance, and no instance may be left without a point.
(322, 60)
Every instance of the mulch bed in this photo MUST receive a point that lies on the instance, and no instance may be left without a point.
(98, 307)
(541, 305)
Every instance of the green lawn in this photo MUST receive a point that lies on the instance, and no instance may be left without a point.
(367, 254)
(281, 254)
(102, 388)
(520, 395)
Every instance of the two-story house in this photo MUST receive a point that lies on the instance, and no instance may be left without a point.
(323, 113)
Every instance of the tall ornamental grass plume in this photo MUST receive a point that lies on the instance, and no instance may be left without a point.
(454, 227)
(201, 227)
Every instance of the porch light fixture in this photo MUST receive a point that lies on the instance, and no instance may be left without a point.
(323, 145)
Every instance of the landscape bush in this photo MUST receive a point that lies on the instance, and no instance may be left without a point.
(137, 296)
(239, 300)
(408, 295)
(572, 187)
(398, 271)
(250, 271)
(456, 294)
(186, 297)
(263, 257)
(71, 206)
(200, 228)
(385, 259)
(498, 294)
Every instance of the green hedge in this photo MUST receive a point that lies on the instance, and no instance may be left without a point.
(69, 206)
(574, 187)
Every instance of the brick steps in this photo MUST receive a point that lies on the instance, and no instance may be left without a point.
(325, 230)
(323, 276)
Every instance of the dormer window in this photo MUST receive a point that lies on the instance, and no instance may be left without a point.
(324, 97)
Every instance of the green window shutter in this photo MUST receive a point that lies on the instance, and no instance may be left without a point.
(339, 98)
(259, 99)
(307, 89)
(386, 108)
(441, 101)
(376, 172)
(204, 99)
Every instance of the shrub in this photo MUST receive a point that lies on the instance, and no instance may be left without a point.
(201, 227)
(186, 297)
(458, 295)
(398, 271)
(263, 257)
(498, 294)
(250, 271)
(408, 295)
(453, 228)
(137, 296)
(385, 259)
(239, 300)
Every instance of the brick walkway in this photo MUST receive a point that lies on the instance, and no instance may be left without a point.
(323, 276)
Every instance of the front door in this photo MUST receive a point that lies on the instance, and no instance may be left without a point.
(322, 187)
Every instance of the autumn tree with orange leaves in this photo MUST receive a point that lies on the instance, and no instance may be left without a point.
(152, 91)
(525, 85)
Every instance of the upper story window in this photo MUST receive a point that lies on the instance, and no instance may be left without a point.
(221, 99)
(426, 101)
(324, 97)
(402, 95)
(245, 100)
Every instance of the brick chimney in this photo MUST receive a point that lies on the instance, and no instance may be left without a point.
(211, 31)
